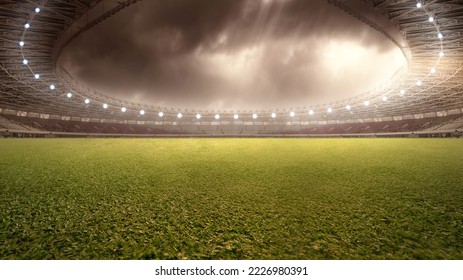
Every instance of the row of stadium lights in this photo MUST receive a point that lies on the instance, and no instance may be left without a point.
(419, 5)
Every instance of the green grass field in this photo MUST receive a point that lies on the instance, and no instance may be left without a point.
(231, 198)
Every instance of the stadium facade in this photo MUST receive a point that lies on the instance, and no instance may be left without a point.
(38, 95)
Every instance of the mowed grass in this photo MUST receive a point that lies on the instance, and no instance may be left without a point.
(231, 198)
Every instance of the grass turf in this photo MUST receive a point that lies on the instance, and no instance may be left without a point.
(231, 198)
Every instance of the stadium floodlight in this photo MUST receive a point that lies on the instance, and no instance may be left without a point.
(87, 101)
(142, 112)
(292, 114)
(25, 62)
(431, 19)
(52, 87)
(37, 10)
(123, 109)
(235, 116)
(384, 98)
(419, 5)
(37, 76)
(366, 103)
(441, 54)
(348, 107)
(433, 70)
(27, 25)
(198, 116)
(274, 115)
(311, 112)
(217, 116)
(21, 43)
(419, 83)
(329, 110)
(254, 116)
(69, 95)
(179, 115)
(105, 106)
(161, 114)
(440, 36)
(402, 92)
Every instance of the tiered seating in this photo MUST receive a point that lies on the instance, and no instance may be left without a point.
(190, 129)
(210, 129)
(11, 122)
(273, 129)
(451, 125)
(375, 127)
(446, 123)
(252, 129)
(231, 129)
(84, 127)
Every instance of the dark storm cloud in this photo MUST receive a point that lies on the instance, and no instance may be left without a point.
(225, 54)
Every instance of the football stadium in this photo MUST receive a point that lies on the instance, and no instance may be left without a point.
(239, 130)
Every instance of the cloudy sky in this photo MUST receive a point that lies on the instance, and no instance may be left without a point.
(232, 54)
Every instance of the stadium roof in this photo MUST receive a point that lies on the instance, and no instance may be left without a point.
(429, 34)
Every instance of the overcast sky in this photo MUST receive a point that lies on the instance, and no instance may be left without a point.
(232, 54)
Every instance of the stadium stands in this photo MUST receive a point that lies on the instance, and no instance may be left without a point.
(19, 123)
(435, 104)
(450, 125)
(10, 124)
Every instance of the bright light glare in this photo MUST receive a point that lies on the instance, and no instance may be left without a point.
(69, 95)
(235, 116)
(330, 110)
(87, 101)
(25, 62)
(198, 116)
(37, 76)
(21, 43)
(27, 25)
(384, 98)
(431, 19)
(274, 115)
(440, 36)
(142, 112)
(366, 103)
(105, 106)
(292, 114)
(37, 10)
(161, 114)
(254, 116)
(419, 83)
(311, 112)
(433, 70)
(418, 5)
(402, 92)
(441, 54)
(123, 109)
(179, 115)
(348, 107)
(52, 87)
(217, 116)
